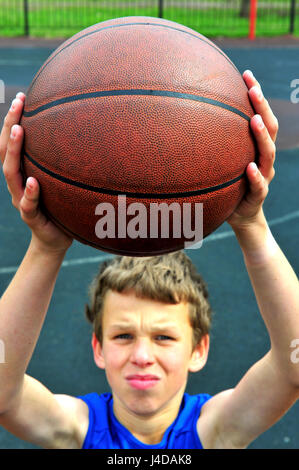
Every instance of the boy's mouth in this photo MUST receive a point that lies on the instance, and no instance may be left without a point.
(142, 382)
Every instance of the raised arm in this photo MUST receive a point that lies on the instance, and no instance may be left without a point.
(236, 417)
(27, 408)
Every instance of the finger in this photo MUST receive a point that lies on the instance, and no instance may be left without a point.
(258, 185)
(13, 117)
(20, 95)
(262, 107)
(11, 165)
(266, 147)
(250, 79)
(260, 104)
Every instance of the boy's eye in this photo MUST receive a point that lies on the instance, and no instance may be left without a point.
(164, 337)
(122, 336)
(159, 337)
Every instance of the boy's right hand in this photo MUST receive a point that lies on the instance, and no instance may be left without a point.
(45, 235)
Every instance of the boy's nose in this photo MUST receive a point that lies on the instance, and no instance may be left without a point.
(142, 352)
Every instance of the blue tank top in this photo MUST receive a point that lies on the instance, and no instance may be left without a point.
(106, 432)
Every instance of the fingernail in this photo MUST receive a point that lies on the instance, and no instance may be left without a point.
(13, 131)
(13, 105)
(259, 121)
(29, 184)
(249, 73)
(254, 168)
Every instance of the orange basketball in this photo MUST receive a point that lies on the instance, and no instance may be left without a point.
(130, 125)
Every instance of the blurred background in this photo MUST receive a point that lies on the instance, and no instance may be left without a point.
(230, 18)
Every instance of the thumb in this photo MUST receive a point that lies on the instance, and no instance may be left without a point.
(258, 187)
(29, 204)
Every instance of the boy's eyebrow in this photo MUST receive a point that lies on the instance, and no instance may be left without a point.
(129, 326)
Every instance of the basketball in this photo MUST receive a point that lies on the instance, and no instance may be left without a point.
(135, 128)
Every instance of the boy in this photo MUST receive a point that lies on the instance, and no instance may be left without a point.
(146, 343)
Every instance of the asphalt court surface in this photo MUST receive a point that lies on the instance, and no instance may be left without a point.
(63, 356)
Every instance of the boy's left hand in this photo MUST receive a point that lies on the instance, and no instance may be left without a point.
(265, 127)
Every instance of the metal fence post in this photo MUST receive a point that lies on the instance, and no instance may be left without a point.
(292, 16)
(160, 13)
(2, 92)
(26, 19)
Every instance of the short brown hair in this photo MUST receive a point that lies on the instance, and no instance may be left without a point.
(170, 278)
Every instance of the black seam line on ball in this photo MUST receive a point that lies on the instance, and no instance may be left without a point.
(113, 192)
(98, 246)
(163, 93)
(131, 24)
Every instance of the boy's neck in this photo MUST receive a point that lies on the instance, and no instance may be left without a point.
(148, 429)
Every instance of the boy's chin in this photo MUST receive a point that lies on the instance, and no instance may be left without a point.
(144, 406)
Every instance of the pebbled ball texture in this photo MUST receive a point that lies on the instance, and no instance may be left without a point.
(140, 107)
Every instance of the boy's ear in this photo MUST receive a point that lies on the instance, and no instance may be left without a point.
(97, 352)
(200, 354)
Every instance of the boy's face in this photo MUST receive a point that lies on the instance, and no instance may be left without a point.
(147, 352)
